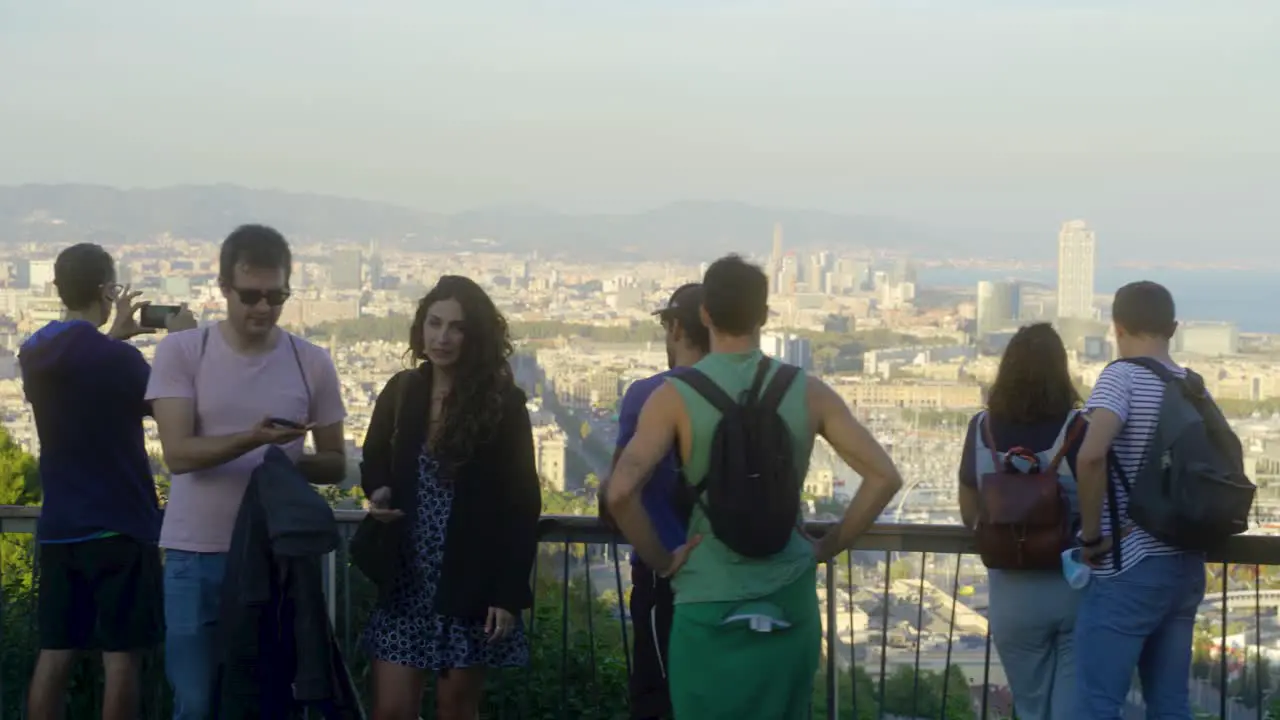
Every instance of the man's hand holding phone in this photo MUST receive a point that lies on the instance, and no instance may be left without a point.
(278, 431)
(125, 323)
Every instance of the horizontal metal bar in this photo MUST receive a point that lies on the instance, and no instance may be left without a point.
(950, 539)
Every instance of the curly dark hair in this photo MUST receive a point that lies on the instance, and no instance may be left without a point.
(1033, 383)
(483, 376)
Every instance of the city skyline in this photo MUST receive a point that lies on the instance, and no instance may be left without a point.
(907, 355)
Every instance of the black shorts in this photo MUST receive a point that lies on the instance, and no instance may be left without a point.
(652, 607)
(105, 594)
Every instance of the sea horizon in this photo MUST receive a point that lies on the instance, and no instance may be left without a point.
(1247, 298)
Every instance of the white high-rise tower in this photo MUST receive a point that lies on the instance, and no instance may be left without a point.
(1076, 253)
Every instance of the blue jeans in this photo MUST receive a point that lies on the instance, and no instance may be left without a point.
(1033, 617)
(1142, 618)
(192, 599)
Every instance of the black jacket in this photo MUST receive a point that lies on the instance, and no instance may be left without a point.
(492, 537)
(277, 652)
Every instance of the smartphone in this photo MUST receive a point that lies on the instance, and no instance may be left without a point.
(155, 316)
(282, 422)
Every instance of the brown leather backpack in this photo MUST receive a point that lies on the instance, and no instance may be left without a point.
(1024, 520)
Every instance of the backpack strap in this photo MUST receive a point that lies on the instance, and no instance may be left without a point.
(195, 376)
(1160, 370)
(1076, 424)
(752, 395)
(708, 389)
(297, 358)
(990, 441)
(779, 384)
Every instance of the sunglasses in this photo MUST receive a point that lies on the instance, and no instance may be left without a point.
(251, 297)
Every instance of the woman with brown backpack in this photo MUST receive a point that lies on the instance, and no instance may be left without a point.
(1017, 492)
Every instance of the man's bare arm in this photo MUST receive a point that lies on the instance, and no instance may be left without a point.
(861, 452)
(655, 434)
(1091, 469)
(602, 507)
(328, 465)
(184, 452)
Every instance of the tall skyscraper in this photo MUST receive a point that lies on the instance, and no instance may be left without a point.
(998, 306)
(1076, 254)
(775, 259)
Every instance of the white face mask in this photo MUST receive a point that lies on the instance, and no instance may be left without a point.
(1074, 569)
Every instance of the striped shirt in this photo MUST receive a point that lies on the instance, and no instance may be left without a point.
(1134, 394)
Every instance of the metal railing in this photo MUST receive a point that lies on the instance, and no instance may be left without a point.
(905, 633)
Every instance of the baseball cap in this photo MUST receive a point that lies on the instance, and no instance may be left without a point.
(684, 304)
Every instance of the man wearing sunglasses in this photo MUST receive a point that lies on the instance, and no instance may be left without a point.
(99, 564)
(218, 392)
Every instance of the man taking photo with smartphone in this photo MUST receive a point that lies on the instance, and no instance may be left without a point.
(99, 561)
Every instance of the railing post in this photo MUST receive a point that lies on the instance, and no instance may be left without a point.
(833, 638)
(1222, 652)
(884, 625)
(330, 574)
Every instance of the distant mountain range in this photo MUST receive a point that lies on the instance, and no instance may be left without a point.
(693, 230)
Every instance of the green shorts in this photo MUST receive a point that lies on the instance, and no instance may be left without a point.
(754, 659)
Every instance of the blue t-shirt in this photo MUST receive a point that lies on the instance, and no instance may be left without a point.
(658, 496)
(87, 394)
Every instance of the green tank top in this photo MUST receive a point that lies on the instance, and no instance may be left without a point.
(714, 573)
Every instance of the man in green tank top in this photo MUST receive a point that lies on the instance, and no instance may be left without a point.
(746, 637)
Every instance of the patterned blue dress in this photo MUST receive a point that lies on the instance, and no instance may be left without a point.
(405, 629)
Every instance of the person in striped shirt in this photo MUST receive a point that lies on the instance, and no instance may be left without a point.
(1139, 610)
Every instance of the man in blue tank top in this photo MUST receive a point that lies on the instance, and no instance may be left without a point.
(652, 602)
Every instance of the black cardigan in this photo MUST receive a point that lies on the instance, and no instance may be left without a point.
(492, 539)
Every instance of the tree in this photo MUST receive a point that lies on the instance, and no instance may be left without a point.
(162, 475)
(1202, 662)
(1253, 682)
(903, 695)
(19, 485)
(853, 689)
(566, 503)
(19, 474)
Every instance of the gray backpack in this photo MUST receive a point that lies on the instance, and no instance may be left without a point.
(1191, 491)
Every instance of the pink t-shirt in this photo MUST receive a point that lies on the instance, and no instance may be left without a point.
(232, 393)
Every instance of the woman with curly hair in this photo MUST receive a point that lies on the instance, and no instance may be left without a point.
(450, 475)
(1032, 417)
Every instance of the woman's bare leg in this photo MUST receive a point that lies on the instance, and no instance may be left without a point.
(397, 691)
(458, 694)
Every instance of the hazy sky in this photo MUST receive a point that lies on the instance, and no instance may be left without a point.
(1155, 120)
